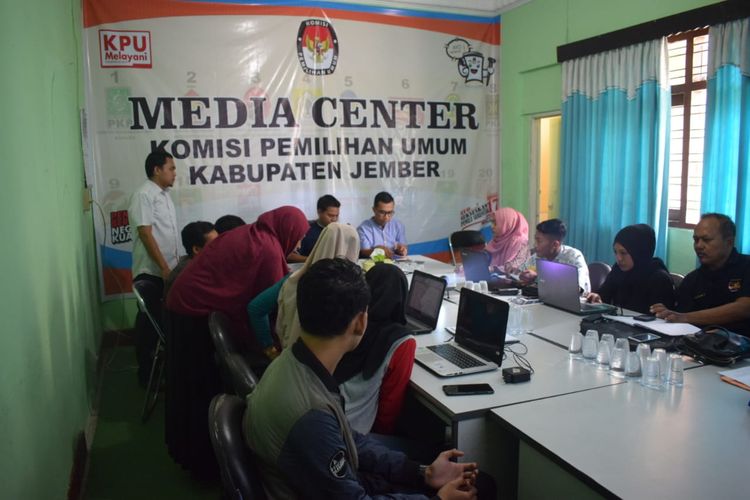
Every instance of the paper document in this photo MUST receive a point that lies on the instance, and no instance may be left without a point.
(739, 377)
(658, 325)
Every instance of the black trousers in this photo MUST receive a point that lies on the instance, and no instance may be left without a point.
(152, 292)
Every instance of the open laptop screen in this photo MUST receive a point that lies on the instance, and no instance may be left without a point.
(425, 297)
(481, 324)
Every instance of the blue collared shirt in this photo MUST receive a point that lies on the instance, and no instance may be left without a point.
(372, 235)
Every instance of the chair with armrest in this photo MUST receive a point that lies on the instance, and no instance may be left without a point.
(140, 290)
(234, 366)
(598, 272)
(465, 239)
(240, 477)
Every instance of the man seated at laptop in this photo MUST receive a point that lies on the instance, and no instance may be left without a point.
(718, 292)
(548, 244)
(295, 423)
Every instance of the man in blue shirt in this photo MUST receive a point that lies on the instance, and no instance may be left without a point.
(328, 211)
(382, 230)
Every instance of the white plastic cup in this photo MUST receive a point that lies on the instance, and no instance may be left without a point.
(575, 346)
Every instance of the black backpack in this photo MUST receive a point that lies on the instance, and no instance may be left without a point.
(715, 345)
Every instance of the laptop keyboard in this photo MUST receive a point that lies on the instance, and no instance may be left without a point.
(455, 356)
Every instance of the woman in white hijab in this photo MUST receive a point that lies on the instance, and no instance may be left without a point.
(336, 240)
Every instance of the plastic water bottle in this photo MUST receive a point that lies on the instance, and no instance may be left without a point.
(515, 316)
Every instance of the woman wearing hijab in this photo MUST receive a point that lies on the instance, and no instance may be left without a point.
(374, 376)
(638, 279)
(223, 278)
(509, 247)
(336, 240)
(237, 266)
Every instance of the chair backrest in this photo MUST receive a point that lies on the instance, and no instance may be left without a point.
(464, 239)
(676, 279)
(598, 272)
(240, 376)
(239, 472)
(141, 289)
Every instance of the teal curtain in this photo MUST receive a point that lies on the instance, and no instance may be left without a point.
(726, 166)
(615, 129)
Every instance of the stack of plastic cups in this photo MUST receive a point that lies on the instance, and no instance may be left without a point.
(676, 369)
(590, 346)
(661, 355)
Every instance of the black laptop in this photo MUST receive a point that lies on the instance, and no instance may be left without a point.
(477, 268)
(423, 302)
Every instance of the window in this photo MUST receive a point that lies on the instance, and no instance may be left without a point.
(688, 66)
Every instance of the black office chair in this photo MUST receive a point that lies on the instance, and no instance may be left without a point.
(464, 239)
(676, 279)
(598, 272)
(235, 369)
(141, 289)
(239, 473)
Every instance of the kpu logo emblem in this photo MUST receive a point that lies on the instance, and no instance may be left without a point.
(317, 47)
(125, 49)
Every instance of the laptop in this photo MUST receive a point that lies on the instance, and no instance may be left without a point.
(477, 268)
(558, 287)
(423, 302)
(479, 341)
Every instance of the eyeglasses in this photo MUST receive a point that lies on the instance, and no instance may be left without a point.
(383, 213)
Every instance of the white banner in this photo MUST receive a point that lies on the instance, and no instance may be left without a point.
(265, 105)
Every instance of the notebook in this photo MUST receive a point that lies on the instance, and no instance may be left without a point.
(476, 269)
(558, 287)
(479, 341)
(423, 302)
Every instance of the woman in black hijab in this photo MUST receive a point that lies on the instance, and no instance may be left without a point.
(374, 376)
(638, 279)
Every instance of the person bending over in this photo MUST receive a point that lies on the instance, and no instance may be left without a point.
(295, 423)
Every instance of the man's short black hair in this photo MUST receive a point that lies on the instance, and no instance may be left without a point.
(382, 197)
(194, 234)
(227, 222)
(327, 201)
(156, 159)
(553, 227)
(329, 295)
(726, 225)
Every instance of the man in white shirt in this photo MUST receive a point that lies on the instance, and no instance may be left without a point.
(156, 244)
(548, 244)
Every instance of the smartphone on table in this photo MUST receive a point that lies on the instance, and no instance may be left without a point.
(467, 389)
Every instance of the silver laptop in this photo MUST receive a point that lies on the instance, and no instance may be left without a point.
(479, 341)
(558, 287)
(423, 302)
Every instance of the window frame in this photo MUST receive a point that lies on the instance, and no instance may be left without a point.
(682, 95)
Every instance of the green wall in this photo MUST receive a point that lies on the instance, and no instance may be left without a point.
(531, 79)
(49, 305)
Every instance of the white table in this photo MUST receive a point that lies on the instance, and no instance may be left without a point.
(632, 442)
(555, 375)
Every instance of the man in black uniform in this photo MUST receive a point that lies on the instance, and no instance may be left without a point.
(718, 292)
